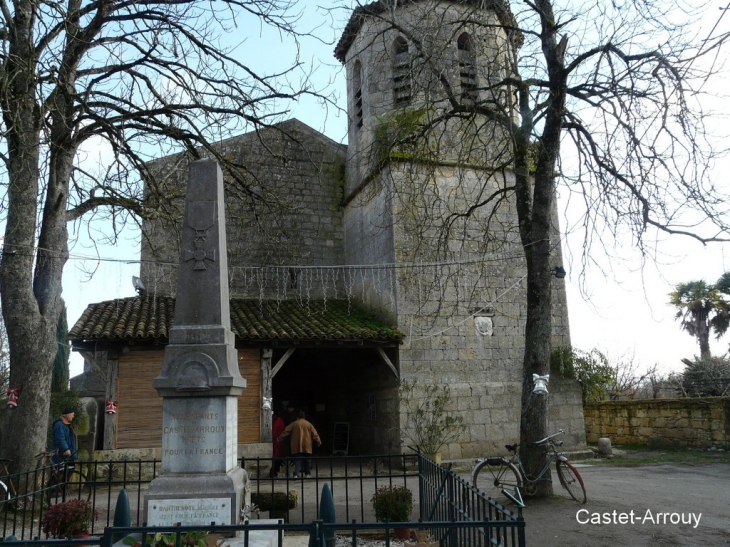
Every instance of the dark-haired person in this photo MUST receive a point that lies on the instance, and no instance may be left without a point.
(278, 452)
(64, 449)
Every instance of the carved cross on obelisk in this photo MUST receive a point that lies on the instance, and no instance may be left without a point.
(200, 381)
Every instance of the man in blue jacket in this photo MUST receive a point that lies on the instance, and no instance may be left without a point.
(64, 451)
(64, 447)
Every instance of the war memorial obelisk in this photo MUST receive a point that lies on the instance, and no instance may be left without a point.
(200, 381)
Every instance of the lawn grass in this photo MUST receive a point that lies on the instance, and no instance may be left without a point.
(628, 455)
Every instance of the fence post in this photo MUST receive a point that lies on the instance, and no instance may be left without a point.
(453, 535)
(520, 528)
(107, 538)
(421, 483)
(316, 535)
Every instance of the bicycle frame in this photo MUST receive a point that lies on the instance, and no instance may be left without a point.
(553, 456)
(528, 477)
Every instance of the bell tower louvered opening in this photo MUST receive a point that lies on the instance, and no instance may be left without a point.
(467, 69)
(401, 72)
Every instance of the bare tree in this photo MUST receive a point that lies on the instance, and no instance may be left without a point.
(628, 382)
(603, 99)
(4, 358)
(142, 78)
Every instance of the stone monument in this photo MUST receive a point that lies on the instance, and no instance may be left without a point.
(200, 381)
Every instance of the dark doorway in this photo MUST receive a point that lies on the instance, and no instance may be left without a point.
(351, 385)
(304, 380)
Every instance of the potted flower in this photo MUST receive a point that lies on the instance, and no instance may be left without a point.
(69, 519)
(394, 504)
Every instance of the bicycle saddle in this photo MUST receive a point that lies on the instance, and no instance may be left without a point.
(511, 447)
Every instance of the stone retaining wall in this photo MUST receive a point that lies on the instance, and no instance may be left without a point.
(700, 422)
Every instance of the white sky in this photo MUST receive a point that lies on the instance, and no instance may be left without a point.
(625, 315)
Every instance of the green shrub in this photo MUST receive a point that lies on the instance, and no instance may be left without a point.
(392, 504)
(428, 423)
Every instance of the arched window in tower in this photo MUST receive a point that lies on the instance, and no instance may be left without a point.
(401, 72)
(467, 68)
(357, 96)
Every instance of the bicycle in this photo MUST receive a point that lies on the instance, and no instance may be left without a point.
(507, 476)
(9, 496)
(60, 479)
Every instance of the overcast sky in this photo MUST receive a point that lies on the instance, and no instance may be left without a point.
(624, 311)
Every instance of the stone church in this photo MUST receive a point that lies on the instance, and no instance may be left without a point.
(354, 268)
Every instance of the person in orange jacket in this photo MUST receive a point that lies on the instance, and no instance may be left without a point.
(303, 435)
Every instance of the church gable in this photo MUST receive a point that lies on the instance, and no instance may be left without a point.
(283, 206)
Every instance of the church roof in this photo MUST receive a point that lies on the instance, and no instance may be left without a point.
(374, 9)
(148, 318)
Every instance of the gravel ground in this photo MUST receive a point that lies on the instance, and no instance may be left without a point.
(341, 541)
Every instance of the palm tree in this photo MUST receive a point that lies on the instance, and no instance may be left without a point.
(703, 308)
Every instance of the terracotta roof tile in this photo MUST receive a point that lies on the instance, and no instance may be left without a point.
(148, 318)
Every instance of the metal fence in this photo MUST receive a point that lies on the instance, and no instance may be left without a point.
(451, 509)
(26, 496)
(352, 480)
(446, 497)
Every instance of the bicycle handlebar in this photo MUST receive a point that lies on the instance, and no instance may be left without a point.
(546, 439)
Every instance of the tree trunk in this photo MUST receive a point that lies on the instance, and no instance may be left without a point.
(535, 234)
(30, 275)
(538, 330)
(30, 323)
(703, 337)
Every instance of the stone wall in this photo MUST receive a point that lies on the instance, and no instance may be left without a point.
(700, 422)
(458, 276)
(283, 207)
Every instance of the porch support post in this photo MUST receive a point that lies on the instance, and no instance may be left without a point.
(108, 362)
(281, 362)
(388, 362)
(266, 398)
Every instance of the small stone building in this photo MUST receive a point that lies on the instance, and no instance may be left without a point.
(353, 268)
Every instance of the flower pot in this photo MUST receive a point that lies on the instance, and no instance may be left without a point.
(435, 457)
(83, 535)
(402, 533)
(423, 539)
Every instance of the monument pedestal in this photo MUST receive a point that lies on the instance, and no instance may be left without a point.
(201, 481)
(193, 499)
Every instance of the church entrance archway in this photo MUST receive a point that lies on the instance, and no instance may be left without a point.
(342, 385)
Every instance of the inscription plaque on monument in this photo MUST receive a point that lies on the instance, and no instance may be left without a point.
(195, 436)
(200, 381)
(168, 512)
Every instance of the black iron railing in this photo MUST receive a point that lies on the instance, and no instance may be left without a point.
(444, 496)
(29, 494)
(352, 480)
(453, 511)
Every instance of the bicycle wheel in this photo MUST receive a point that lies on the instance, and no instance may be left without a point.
(4, 495)
(45, 482)
(571, 480)
(493, 474)
(77, 485)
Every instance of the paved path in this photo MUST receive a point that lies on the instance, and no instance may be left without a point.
(657, 495)
(656, 491)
